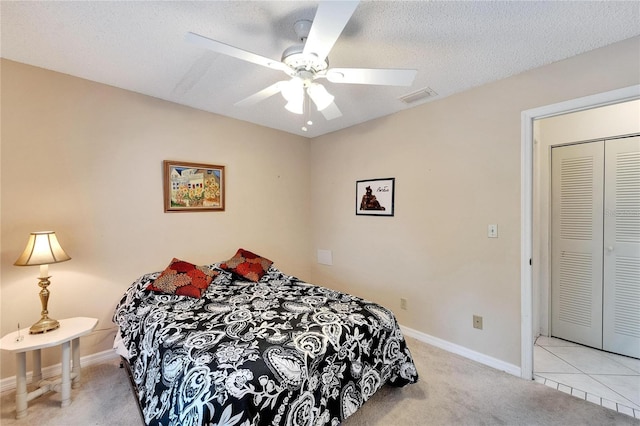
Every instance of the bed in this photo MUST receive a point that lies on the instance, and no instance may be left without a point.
(246, 344)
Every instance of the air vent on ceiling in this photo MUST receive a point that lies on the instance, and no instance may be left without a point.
(419, 95)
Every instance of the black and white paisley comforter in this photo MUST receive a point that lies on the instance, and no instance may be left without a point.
(277, 352)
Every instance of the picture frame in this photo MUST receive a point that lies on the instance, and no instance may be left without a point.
(193, 187)
(375, 197)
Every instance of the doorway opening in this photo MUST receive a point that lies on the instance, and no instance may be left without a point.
(530, 250)
(589, 256)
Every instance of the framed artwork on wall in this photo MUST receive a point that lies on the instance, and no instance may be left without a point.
(193, 187)
(375, 197)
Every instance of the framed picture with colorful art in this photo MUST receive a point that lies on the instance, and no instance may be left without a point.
(193, 187)
(375, 197)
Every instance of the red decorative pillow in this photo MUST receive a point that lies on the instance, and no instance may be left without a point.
(184, 279)
(248, 265)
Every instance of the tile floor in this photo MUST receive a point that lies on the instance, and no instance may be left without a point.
(607, 379)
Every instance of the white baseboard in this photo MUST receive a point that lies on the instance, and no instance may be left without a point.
(9, 383)
(462, 351)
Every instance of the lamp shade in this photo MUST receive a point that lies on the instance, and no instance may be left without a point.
(42, 248)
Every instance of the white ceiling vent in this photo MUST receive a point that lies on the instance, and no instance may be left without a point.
(419, 95)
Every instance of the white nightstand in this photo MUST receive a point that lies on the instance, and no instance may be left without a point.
(70, 331)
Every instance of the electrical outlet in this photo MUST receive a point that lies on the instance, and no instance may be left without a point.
(477, 322)
(403, 303)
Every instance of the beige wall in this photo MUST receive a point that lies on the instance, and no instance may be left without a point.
(457, 167)
(85, 160)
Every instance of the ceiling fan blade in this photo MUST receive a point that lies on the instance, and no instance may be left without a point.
(261, 95)
(235, 52)
(331, 112)
(331, 18)
(387, 77)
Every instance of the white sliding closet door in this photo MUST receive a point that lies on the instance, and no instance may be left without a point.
(621, 313)
(577, 243)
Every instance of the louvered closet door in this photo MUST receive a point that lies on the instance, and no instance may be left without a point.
(621, 313)
(576, 243)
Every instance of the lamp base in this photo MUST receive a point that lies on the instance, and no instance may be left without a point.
(44, 325)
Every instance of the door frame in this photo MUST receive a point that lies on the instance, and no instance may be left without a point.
(527, 286)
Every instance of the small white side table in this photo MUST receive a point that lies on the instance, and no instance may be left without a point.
(70, 331)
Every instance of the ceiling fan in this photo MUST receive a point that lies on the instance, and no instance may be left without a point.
(307, 62)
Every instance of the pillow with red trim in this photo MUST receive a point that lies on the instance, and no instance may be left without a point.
(247, 265)
(184, 279)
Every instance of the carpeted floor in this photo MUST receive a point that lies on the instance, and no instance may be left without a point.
(452, 391)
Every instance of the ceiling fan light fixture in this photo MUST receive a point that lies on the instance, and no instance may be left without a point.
(320, 96)
(295, 107)
(293, 92)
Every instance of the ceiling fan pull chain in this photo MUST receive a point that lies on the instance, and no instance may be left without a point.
(307, 114)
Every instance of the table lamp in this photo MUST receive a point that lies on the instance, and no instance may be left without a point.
(42, 249)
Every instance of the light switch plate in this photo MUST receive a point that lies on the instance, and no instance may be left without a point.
(492, 231)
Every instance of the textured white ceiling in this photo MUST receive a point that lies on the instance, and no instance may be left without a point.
(139, 46)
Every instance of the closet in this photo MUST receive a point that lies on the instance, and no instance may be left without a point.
(595, 244)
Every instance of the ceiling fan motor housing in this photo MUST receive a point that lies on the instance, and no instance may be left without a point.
(298, 61)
